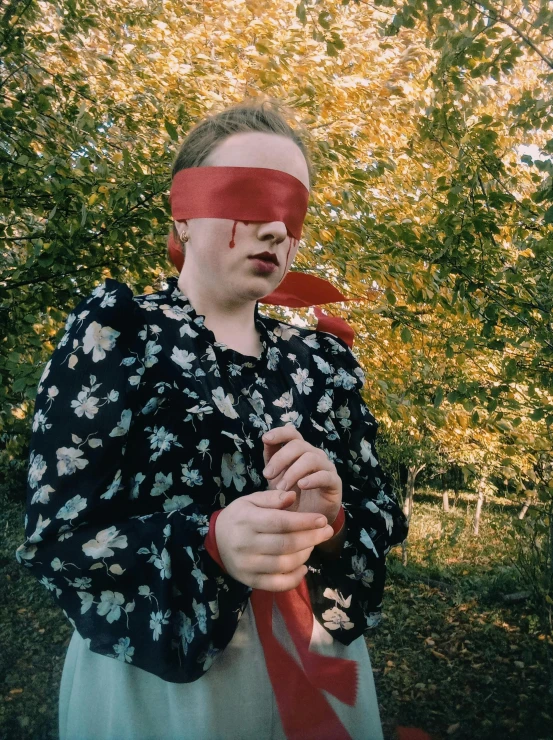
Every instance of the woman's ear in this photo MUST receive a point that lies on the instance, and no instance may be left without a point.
(179, 229)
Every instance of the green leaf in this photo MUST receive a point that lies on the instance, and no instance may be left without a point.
(548, 216)
(171, 130)
(406, 336)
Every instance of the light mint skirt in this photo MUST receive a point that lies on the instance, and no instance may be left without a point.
(104, 699)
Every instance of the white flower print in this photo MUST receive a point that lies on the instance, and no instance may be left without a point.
(176, 312)
(39, 422)
(201, 615)
(156, 620)
(367, 453)
(40, 526)
(302, 380)
(85, 405)
(285, 332)
(44, 375)
(37, 468)
(191, 477)
(311, 341)
(323, 365)
(42, 494)
(164, 564)
(367, 541)
(177, 503)
(292, 417)
(108, 300)
(324, 404)
(115, 486)
(70, 460)
(273, 354)
(224, 402)
(52, 392)
(105, 540)
(152, 349)
(344, 380)
(86, 601)
(232, 469)
(384, 514)
(343, 414)
(183, 358)
(188, 330)
(285, 401)
(161, 440)
(330, 593)
(123, 424)
(124, 650)
(373, 619)
(110, 605)
(135, 482)
(335, 619)
(200, 578)
(162, 483)
(99, 340)
(70, 510)
(256, 400)
(185, 630)
(98, 291)
(360, 571)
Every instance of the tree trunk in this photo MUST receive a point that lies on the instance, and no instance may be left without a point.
(445, 496)
(479, 504)
(412, 472)
(522, 512)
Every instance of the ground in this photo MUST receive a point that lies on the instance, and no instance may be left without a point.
(450, 656)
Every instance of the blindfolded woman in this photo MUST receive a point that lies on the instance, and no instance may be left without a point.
(205, 501)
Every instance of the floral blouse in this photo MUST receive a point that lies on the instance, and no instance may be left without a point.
(144, 425)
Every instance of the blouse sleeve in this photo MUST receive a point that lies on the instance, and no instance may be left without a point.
(346, 592)
(139, 589)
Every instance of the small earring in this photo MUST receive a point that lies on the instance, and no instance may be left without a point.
(184, 237)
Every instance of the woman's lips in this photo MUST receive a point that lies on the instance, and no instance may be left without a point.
(263, 265)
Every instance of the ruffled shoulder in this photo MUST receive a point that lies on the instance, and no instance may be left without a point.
(110, 304)
(348, 372)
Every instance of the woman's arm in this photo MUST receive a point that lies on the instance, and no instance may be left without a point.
(348, 572)
(140, 589)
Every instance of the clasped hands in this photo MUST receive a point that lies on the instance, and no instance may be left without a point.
(264, 539)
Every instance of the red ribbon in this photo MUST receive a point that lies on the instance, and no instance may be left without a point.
(305, 712)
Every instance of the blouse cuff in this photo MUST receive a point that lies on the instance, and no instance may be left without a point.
(339, 522)
(211, 541)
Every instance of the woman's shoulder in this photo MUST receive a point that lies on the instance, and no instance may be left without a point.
(115, 304)
(328, 352)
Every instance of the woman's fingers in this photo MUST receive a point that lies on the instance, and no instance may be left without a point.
(285, 544)
(275, 521)
(280, 581)
(285, 456)
(280, 563)
(308, 464)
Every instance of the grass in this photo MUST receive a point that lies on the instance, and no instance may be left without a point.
(450, 657)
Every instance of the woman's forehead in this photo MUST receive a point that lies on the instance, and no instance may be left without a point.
(260, 149)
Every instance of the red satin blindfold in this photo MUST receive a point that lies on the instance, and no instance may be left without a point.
(240, 194)
(257, 194)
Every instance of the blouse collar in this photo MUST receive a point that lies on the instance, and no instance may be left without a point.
(227, 353)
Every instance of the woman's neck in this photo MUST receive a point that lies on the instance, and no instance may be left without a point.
(232, 323)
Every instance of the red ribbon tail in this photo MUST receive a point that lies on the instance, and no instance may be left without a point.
(304, 711)
(335, 325)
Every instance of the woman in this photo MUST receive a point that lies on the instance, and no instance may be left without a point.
(205, 499)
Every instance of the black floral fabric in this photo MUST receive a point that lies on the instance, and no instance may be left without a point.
(145, 425)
